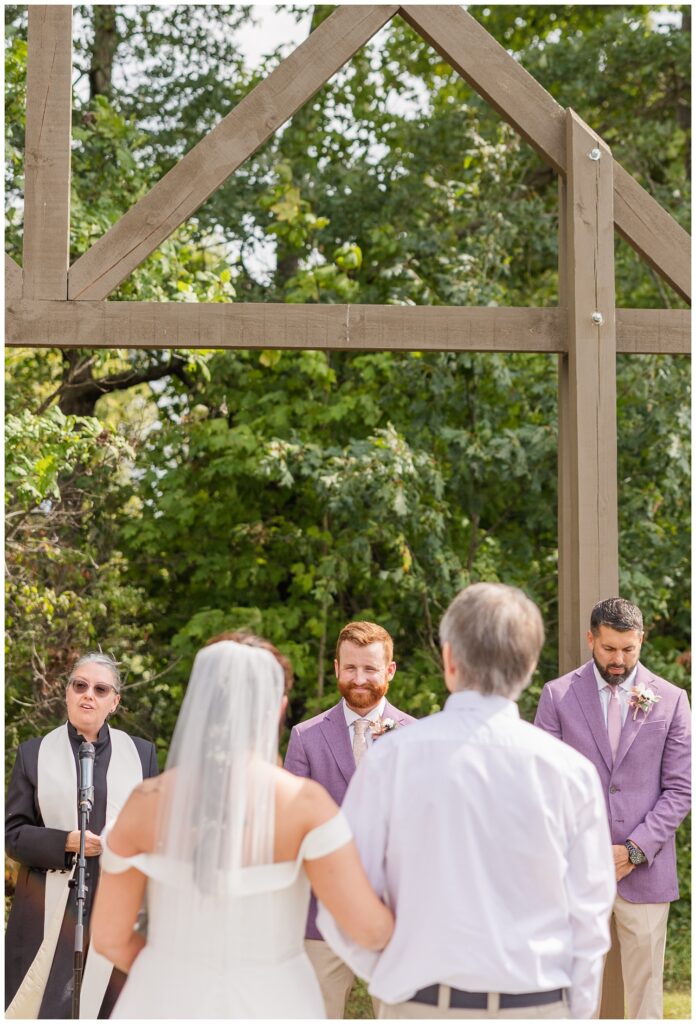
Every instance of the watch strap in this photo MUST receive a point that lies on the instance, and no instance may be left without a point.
(635, 854)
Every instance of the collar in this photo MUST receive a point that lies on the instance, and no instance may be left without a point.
(627, 684)
(373, 715)
(76, 738)
(480, 703)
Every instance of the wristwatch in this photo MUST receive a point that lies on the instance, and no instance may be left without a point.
(635, 854)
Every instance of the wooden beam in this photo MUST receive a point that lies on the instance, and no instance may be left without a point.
(588, 520)
(293, 325)
(495, 75)
(47, 152)
(282, 325)
(534, 113)
(187, 185)
(654, 234)
(653, 331)
(13, 279)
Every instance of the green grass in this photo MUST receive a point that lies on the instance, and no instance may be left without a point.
(677, 1004)
(359, 1004)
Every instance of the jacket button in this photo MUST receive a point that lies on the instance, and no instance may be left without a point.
(614, 789)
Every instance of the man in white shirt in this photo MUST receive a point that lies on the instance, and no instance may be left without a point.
(488, 838)
(328, 747)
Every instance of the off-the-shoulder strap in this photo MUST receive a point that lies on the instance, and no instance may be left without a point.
(326, 838)
(114, 863)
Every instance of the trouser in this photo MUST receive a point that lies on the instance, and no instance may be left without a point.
(641, 930)
(399, 1011)
(334, 976)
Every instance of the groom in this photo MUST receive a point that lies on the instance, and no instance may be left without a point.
(636, 730)
(328, 748)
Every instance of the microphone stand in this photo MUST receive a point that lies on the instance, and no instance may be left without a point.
(86, 798)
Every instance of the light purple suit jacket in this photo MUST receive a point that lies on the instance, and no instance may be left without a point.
(320, 749)
(648, 788)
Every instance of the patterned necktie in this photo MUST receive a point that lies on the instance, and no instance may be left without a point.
(360, 726)
(614, 720)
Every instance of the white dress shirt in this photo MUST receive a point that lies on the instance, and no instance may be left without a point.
(623, 691)
(489, 839)
(373, 716)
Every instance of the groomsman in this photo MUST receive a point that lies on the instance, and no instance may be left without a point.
(636, 730)
(329, 747)
(488, 837)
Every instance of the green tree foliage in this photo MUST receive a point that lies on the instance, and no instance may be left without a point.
(66, 585)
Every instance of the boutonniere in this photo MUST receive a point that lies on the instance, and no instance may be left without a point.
(383, 725)
(642, 699)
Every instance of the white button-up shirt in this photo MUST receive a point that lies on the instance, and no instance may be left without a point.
(373, 716)
(489, 839)
(623, 690)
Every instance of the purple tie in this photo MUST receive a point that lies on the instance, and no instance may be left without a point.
(614, 720)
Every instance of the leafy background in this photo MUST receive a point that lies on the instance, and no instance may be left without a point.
(155, 498)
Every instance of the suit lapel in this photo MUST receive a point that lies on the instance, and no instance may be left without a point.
(631, 726)
(335, 732)
(587, 695)
(391, 712)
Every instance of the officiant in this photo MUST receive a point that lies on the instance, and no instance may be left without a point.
(42, 835)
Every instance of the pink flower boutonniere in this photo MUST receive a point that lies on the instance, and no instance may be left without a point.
(642, 699)
(382, 726)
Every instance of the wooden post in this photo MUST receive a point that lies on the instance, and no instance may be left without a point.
(588, 547)
(612, 1004)
(47, 153)
(569, 654)
(588, 519)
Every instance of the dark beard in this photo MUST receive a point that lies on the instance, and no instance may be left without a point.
(606, 675)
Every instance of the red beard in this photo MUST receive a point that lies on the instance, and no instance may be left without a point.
(363, 697)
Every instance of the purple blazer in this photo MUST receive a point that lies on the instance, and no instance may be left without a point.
(320, 749)
(648, 788)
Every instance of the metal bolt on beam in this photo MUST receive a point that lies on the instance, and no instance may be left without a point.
(595, 154)
(598, 319)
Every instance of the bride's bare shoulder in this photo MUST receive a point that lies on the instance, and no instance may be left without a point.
(148, 787)
(305, 798)
(135, 827)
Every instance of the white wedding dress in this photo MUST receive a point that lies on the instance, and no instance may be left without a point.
(258, 968)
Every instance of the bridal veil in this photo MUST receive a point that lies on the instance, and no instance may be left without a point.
(218, 802)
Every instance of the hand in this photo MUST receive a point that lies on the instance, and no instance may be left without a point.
(622, 864)
(93, 846)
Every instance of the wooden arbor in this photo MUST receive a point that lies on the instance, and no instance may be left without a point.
(49, 303)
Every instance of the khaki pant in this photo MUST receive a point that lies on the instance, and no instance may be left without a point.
(399, 1011)
(641, 929)
(335, 978)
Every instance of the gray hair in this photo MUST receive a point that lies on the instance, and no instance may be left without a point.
(98, 658)
(618, 614)
(496, 634)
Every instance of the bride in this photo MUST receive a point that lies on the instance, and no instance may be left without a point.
(224, 846)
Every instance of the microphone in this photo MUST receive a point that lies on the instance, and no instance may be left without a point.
(86, 758)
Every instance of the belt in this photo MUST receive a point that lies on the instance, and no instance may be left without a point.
(461, 1000)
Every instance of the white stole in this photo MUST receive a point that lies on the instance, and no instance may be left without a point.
(57, 798)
